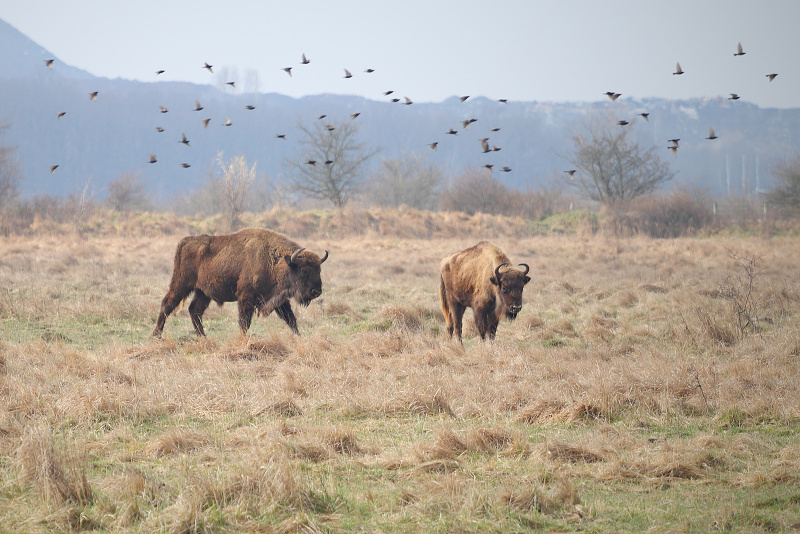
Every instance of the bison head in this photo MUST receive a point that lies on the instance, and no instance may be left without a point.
(304, 275)
(510, 284)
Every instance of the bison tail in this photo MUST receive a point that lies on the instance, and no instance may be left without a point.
(443, 299)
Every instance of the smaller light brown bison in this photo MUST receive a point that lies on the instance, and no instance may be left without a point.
(260, 269)
(480, 278)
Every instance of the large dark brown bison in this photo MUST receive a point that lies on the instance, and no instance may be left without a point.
(260, 269)
(480, 278)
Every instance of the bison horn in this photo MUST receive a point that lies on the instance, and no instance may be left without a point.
(325, 257)
(497, 271)
(294, 256)
(526, 268)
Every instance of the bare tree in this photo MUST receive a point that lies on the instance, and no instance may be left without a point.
(410, 180)
(330, 162)
(128, 192)
(234, 184)
(786, 194)
(10, 175)
(476, 191)
(612, 167)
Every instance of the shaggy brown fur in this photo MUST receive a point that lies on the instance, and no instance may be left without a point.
(473, 279)
(254, 267)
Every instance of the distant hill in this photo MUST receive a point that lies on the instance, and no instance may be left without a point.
(116, 133)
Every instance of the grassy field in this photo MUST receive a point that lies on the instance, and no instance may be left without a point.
(647, 385)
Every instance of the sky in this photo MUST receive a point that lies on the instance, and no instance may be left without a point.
(429, 50)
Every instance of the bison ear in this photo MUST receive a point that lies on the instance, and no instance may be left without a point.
(289, 262)
(494, 281)
(527, 279)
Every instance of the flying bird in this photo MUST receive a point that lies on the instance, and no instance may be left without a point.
(321, 117)
(49, 63)
(328, 161)
(623, 123)
(496, 148)
(354, 115)
(464, 98)
(159, 129)
(612, 95)
(205, 122)
(395, 100)
(93, 96)
(288, 70)
(227, 121)
(311, 162)
(208, 67)
(197, 106)
(61, 115)
(711, 134)
(739, 51)
(347, 74)
(184, 140)
(674, 141)
(465, 123)
(232, 84)
(734, 96)
(571, 173)
(503, 100)
(495, 130)
(185, 165)
(163, 109)
(678, 70)
(160, 71)
(387, 93)
(433, 145)
(452, 132)
(645, 116)
(369, 71)
(771, 76)
(250, 107)
(152, 158)
(485, 145)
(505, 169)
(53, 168)
(281, 136)
(329, 127)
(674, 149)
(488, 166)
(305, 60)
(408, 101)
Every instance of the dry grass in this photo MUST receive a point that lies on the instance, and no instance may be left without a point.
(615, 402)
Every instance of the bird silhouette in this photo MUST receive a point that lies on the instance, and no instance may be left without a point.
(184, 140)
(250, 107)
(711, 134)
(678, 70)
(395, 100)
(674, 149)
(369, 71)
(305, 60)
(311, 162)
(93, 96)
(53, 168)
(503, 100)
(159, 129)
(408, 101)
(485, 145)
(452, 132)
(734, 96)
(227, 122)
(495, 130)
(160, 71)
(49, 63)
(464, 98)
(496, 148)
(387, 93)
(347, 74)
(674, 141)
(505, 169)
(329, 127)
(571, 173)
(488, 166)
(205, 122)
(152, 158)
(163, 109)
(185, 165)
(612, 95)
(623, 123)
(465, 123)
(61, 115)
(321, 117)
(197, 106)
(739, 51)
(208, 67)
(354, 115)
(288, 70)
(232, 84)
(328, 161)
(771, 76)
(433, 145)
(645, 116)
(281, 136)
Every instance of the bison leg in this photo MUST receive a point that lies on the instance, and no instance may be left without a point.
(246, 309)
(196, 309)
(285, 312)
(171, 301)
(456, 319)
(492, 329)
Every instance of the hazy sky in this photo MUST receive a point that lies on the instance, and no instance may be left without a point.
(555, 50)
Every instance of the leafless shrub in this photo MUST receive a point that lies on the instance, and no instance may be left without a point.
(128, 192)
(676, 214)
(410, 180)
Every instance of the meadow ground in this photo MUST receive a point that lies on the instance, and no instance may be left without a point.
(647, 385)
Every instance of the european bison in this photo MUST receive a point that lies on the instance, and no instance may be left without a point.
(260, 269)
(473, 279)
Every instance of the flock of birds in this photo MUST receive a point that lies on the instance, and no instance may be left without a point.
(674, 143)
(484, 141)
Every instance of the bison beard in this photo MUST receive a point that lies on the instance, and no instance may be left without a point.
(472, 279)
(259, 269)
